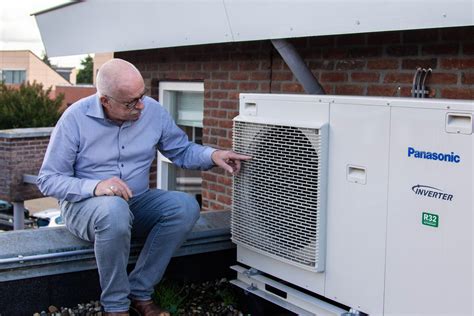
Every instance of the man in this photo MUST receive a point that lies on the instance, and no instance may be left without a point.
(97, 164)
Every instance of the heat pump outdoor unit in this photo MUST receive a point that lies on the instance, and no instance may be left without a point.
(355, 204)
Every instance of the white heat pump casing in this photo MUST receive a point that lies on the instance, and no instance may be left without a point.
(381, 258)
(293, 211)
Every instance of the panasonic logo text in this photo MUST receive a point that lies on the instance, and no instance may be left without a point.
(446, 157)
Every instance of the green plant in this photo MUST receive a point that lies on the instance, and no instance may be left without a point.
(28, 106)
(170, 295)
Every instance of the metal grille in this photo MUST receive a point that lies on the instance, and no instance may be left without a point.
(276, 195)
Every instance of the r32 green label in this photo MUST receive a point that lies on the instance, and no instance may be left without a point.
(430, 219)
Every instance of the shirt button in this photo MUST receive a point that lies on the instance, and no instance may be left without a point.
(123, 147)
(122, 165)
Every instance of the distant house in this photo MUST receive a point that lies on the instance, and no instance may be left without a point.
(19, 66)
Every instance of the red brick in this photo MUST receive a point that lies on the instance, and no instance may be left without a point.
(213, 66)
(233, 95)
(349, 90)
(398, 78)
(211, 85)
(216, 187)
(228, 105)
(365, 76)
(350, 64)
(320, 41)
(383, 64)
(232, 114)
(193, 66)
(218, 114)
(282, 76)
(420, 36)
(468, 78)
(224, 180)
(402, 50)
(382, 90)
(264, 87)
(442, 78)
(364, 52)
(413, 64)
(178, 67)
(260, 75)
(218, 132)
(219, 75)
(248, 86)
(322, 64)
(224, 199)
(249, 65)
(457, 63)
(468, 48)
(333, 77)
(350, 39)
(226, 124)
(381, 38)
(457, 33)
(228, 85)
(219, 94)
(211, 103)
(239, 75)
(210, 122)
(457, 93)
(228, 66)
(335, 53)
(292, 87)
(224, 143)
(441, 49)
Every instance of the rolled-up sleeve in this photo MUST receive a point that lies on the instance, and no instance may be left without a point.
(56, 177)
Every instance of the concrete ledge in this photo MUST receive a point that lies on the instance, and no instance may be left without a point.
(26, 132)
(49, 251)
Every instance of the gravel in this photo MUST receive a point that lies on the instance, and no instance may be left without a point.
(217, 297)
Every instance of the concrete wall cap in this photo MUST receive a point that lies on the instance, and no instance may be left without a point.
(26, 132)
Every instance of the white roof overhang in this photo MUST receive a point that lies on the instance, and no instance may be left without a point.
(95, 26)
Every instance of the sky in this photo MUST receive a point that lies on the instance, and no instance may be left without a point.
(18, 29)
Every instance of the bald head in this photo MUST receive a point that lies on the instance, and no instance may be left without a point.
(118, 77)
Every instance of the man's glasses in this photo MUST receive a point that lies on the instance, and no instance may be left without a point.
(130, 105)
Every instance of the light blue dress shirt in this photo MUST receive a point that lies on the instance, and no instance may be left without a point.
(86, 147)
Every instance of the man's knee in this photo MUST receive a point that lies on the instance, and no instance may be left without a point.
(189, 208)
(114, 216)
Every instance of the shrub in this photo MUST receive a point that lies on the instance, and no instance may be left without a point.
(28, 106)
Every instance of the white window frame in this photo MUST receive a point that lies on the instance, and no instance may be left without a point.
(166, 177)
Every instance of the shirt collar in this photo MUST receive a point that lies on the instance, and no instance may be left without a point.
(95, 108)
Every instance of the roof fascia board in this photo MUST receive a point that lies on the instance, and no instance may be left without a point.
(95, 26)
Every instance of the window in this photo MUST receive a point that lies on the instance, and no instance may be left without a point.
(185, 102)
(13, 76)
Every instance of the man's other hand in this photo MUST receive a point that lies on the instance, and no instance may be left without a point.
(228, 160)
(113, 187)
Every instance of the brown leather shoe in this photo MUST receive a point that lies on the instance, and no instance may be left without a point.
(116, 314)
(148, 308)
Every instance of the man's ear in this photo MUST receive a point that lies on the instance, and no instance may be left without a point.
(104, 101)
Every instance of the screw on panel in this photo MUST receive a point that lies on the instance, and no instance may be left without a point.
(252, 287)
(357, 22)
(251, 271)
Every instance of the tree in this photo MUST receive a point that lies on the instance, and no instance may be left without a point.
(45, 59)
(28, 106)
(84, 75)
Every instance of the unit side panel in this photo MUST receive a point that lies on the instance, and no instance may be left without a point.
(357, 201)
(429, 231)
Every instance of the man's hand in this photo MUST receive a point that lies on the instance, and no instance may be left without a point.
(228, 160)
(113, 186)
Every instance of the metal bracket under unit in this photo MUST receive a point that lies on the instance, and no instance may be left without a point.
(289, 298)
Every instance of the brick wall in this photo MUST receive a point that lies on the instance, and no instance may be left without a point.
(375, 64)
(21, 152)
